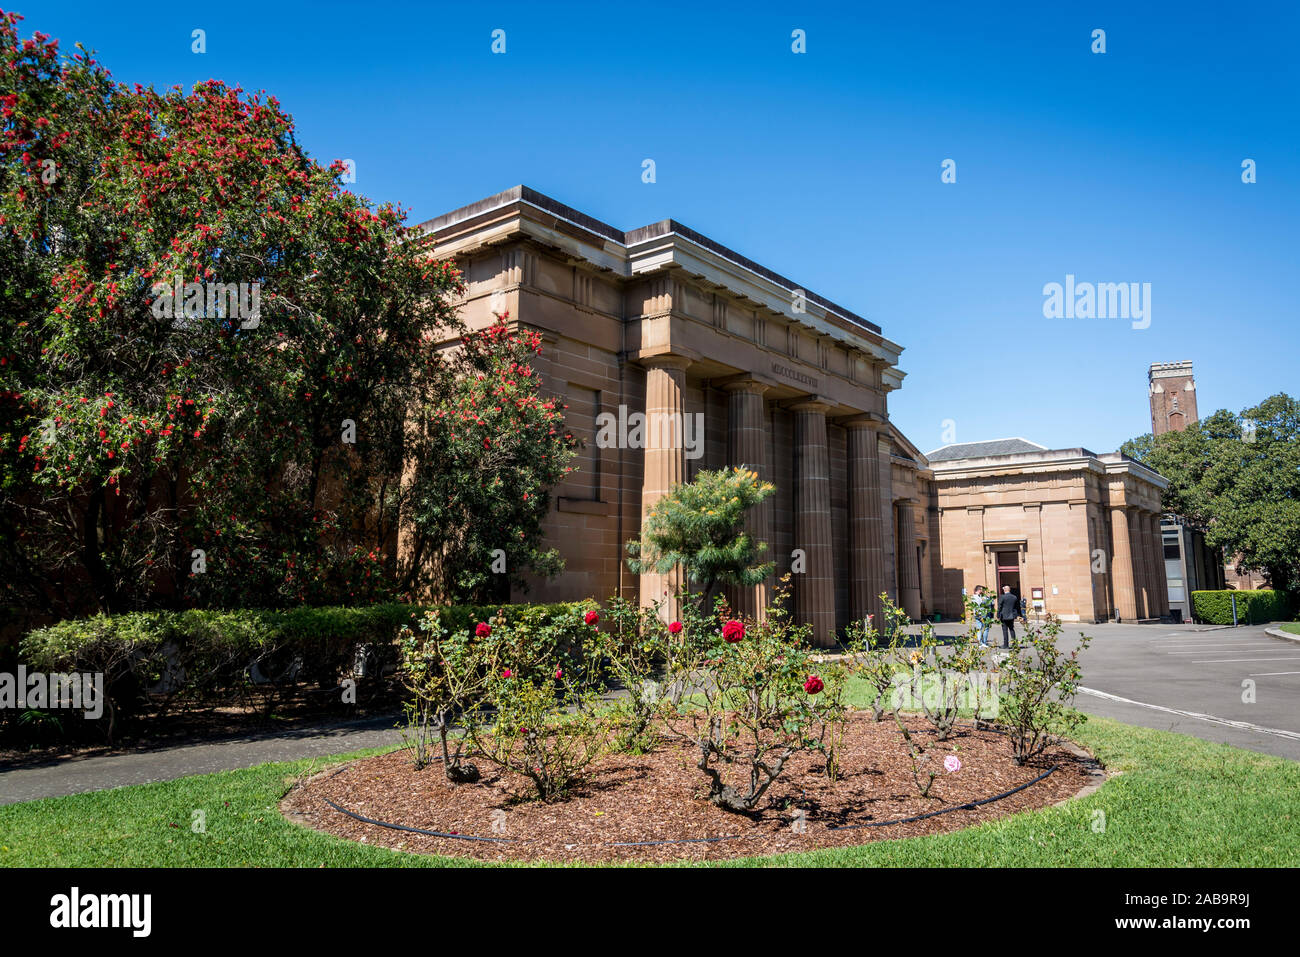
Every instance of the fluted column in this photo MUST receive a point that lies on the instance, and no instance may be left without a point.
(888, 545)
(909, 581)
(814, 589)
(1141, 576)
(1159, 584)
(1123, 586)
(665, 460)
(747, 446)
(866, 523)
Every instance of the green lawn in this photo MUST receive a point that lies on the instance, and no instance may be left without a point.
(1179, 801)
(1291, 626)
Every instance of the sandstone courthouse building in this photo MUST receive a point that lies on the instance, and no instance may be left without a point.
(665, 322)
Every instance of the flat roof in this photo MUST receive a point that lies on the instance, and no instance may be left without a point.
(665, 227)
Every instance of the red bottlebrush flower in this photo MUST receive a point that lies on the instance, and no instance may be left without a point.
(813, 684)
(675, 628)
(483, 629)
(507, 673)
(733, 631)
(592, 617)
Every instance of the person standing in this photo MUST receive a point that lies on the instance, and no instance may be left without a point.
(982, 609)
(1008, 610)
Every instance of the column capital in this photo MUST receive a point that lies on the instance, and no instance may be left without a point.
(666, 360)
(865, 420)
(745, 382)
(811, 403)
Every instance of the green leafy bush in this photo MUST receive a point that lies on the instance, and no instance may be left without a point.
(756, 699)
(1253, 606)
(155, 659)
(1039, 682)
(544, 700)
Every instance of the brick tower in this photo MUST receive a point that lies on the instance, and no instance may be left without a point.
(1173, 396)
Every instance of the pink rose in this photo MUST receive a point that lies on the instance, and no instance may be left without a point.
(507, 673)
(952, 763)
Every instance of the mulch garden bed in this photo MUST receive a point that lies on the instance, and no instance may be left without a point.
(662, 796)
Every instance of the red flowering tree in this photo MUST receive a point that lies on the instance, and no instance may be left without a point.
(488, 452)
(142, 417)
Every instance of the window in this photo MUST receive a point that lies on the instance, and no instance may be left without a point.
(580, 419)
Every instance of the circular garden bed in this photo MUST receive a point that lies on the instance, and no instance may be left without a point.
(653, 807)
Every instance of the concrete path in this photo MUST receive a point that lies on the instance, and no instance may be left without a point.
(74, 775)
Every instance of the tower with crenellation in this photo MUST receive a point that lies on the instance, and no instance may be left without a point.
(1173, 396)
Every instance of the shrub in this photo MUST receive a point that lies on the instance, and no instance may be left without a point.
(749, 706)
(641, 653)
(699, 527)
(158, 658)
(1254, 606)
(877, 655)
(446, 672)
(1039, 682)
(544, 700)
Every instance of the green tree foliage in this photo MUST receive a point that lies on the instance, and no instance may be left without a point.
(488, 450)
(1239, 476)
(138, 425)
(699, 525)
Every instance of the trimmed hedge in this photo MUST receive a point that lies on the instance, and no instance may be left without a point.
(154, 658)
(1254, 606)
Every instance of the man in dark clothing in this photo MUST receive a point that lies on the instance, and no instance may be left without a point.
(1008, 610)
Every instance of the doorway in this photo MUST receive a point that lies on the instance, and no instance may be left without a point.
(1008, 564)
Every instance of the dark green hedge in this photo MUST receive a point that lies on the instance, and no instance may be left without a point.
(211, 654)
(1253, 606)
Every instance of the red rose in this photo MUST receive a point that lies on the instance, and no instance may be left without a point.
(675, 628)
(507, 673)
(483, 630)
(733, 631)
(813, 684)
(558, 674)
(591, 617)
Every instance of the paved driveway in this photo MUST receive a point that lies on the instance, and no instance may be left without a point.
(1239, 686)
(1189, 679)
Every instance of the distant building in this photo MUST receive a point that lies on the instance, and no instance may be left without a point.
(1173, 396)
(1074, 533)
(1191, 565)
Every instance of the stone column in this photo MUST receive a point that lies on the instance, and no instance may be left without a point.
(665, 460)
(909, 582)
(1141, 574)
(747, 446)
(866, 533)
(1123, 586)
(814, 588)
(1159, 581)
(888, 546)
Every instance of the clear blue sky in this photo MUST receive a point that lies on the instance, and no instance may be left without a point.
(1115, 167)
